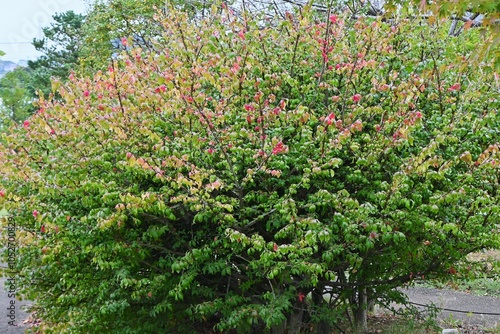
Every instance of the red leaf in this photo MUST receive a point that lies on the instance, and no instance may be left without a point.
(278, 148)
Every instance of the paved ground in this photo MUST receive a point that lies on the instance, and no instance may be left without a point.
(11, 320)
(458, 307)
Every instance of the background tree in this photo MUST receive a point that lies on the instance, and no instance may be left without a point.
(60, 49)
(60, 54)
(17, 96)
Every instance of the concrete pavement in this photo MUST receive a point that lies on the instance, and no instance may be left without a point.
(459, 306)
(12, 311)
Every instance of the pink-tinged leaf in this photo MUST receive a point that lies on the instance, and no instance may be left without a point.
(330, 119)
(241, 34)
(282, 104)
(423, 5)
(278, 148)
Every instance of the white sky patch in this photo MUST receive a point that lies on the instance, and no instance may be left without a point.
(23, 20)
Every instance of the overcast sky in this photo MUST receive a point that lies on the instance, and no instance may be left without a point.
(22, 20)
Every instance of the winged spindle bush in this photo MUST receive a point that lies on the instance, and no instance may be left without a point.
(254, 176)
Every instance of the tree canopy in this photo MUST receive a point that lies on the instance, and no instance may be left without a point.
(60, 49)
(16, 95)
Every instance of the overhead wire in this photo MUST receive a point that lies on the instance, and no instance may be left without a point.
(452, 310)
(15, 43)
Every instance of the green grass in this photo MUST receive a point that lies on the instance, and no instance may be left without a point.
(395, 325)
(386, 323)
(481, 286)
(482, 280)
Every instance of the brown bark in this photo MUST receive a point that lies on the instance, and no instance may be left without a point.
(361, 314)
(323, 326)
(295, 320)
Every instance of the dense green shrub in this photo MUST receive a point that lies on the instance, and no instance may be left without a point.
(254, 177)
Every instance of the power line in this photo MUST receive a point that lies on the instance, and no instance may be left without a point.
(3, 43)
(456, 311)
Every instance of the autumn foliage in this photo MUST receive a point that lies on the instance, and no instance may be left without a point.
(254, 176)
